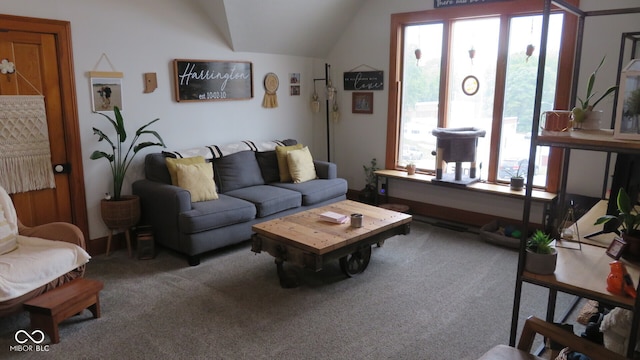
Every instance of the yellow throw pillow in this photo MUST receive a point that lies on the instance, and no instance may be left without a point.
(171, 165)
(283, 165)
(301, 165)
(198, 180)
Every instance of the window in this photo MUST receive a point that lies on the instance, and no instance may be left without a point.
(475, 66)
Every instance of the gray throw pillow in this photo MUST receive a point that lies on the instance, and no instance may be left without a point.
(268, 162)
(238, 170)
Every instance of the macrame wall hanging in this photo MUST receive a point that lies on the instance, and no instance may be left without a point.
(25, 156)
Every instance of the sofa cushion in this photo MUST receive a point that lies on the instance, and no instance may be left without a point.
(237, 171)
(268, 199)
(283, 166)
(172, 162)
(301, 165)
(268, 162)
(198, 180)
(208, 215)
(318, 190)
(155, 168)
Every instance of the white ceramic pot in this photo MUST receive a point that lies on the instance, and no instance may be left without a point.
(542, 264)
(592, 120)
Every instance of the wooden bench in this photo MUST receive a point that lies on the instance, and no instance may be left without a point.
(53, 307)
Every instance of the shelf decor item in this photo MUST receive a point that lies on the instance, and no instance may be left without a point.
(542, 256)
(584, 117)
(411, 168)
(628, 107)
(629, 221)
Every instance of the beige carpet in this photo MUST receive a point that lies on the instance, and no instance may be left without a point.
(434, 294)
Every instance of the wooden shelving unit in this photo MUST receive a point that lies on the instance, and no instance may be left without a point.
(581, 272)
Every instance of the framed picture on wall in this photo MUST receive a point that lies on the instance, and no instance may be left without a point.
(362, 103)
(106, 93)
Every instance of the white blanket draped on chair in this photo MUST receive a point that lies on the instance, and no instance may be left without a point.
(25, 156)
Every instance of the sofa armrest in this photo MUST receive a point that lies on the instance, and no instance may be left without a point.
(325, 169)
(160, 206)
(170, 198)
(60, 231)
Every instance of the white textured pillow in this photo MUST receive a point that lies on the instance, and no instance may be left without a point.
(301, 165)
(8, 238)
(198, 180)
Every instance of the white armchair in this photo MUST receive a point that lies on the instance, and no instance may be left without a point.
(36, 259)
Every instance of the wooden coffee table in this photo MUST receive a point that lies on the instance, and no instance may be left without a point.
(305, 240)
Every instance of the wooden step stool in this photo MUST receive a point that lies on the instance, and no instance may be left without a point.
(53, 307)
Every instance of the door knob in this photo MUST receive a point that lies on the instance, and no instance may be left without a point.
(62, 168)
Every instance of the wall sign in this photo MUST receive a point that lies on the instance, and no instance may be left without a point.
(213, 80)
(450, 3)
(364, 80)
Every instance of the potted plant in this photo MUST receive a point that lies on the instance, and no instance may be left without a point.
(368, 194)
(629, 221)
(584, 117)
(411, 168)
(119, 211)
(541, 255)
(517, 177)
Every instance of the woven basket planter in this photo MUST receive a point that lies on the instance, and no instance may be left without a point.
(121, 214)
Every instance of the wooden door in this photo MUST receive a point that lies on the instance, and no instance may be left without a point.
(40, 50)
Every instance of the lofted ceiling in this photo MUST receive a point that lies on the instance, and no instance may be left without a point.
(306, 28)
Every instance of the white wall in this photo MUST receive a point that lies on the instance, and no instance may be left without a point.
(140, 36)
(358, 138)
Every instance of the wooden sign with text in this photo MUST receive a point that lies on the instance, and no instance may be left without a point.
(213, 80)
(364, 80)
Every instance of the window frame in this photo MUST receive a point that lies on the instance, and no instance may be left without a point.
(504, 10)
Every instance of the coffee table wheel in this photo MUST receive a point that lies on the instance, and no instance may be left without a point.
(356, 262)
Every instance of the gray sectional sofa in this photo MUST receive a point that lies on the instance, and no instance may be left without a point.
(249, 191)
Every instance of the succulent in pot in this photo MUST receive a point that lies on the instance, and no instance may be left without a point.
(542, 256)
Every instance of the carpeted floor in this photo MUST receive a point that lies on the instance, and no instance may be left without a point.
(434, 294)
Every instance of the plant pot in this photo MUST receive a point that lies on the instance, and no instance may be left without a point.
(542, 264)
(411, 169)
(368, 195)
(517, 183)
(631, 252)
(592, 120)
(121, 214)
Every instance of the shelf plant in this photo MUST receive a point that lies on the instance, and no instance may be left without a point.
(541, 256)
(628, 220)
(580, 113)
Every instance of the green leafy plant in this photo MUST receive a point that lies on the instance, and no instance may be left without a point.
(586, 104)
(520, 172)
(369, 173)
(120, 157)
(627, 217)
(540, 243)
